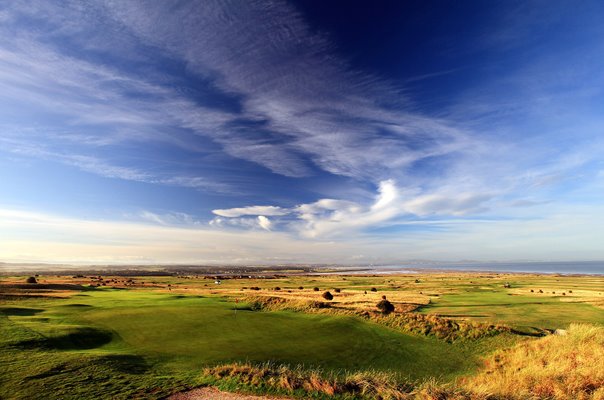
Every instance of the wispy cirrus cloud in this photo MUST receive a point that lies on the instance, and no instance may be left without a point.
(310, 105)
(105, 169)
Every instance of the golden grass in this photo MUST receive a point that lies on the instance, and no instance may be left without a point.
(373, 384)
(569, 366)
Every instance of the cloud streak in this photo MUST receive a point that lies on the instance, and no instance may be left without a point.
(344, 219)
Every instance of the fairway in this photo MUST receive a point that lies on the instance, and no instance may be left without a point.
(520, 308)
(176, 336)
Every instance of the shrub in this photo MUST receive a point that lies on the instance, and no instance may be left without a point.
(31, 279)
(301, 287)
(316, 289)
(254, 288)
(277, 288)
(337, 290)
(385, 306)
(328, 296)
(373, 289)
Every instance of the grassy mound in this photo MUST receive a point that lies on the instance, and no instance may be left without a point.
(446, 329)
(567, 366)
(442, 328)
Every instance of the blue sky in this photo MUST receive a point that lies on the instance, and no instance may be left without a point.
(311, 131)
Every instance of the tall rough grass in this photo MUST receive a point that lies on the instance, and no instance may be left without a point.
(318, 383)
(569, 366)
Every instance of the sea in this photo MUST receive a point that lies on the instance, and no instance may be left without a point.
(544, 267)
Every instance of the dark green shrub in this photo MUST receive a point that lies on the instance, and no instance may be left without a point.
(385, 306)
(31, 279)
(328, 296)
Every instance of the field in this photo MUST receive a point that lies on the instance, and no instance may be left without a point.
(150, 336)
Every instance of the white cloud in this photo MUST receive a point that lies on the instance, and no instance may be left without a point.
(329, 217)
(38, 237)
(251, 210)
(264, 222)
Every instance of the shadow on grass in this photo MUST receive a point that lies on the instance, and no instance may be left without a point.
(124, 363)
(81, 338)
(244, 308)
(77, 305)
(20, 311)
(120, 363)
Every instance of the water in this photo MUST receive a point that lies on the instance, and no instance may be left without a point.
(549, 267)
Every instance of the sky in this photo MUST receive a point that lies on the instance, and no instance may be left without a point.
(268, 132)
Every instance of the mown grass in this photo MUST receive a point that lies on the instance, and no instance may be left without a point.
(123, 344)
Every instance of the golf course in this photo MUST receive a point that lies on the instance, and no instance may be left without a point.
(152, 336)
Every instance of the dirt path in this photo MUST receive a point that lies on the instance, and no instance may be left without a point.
(210, 393)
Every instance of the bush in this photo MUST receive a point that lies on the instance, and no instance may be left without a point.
(277, 288)
(31, 279)
(301, 287)
(316, 289)
(385, 306)
(337, 290)
(373, 289)
(328, 296)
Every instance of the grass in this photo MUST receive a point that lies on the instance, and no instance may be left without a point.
(146, 337)
(55, 345)
(523, 311)
(557, 367)
(565, 366)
